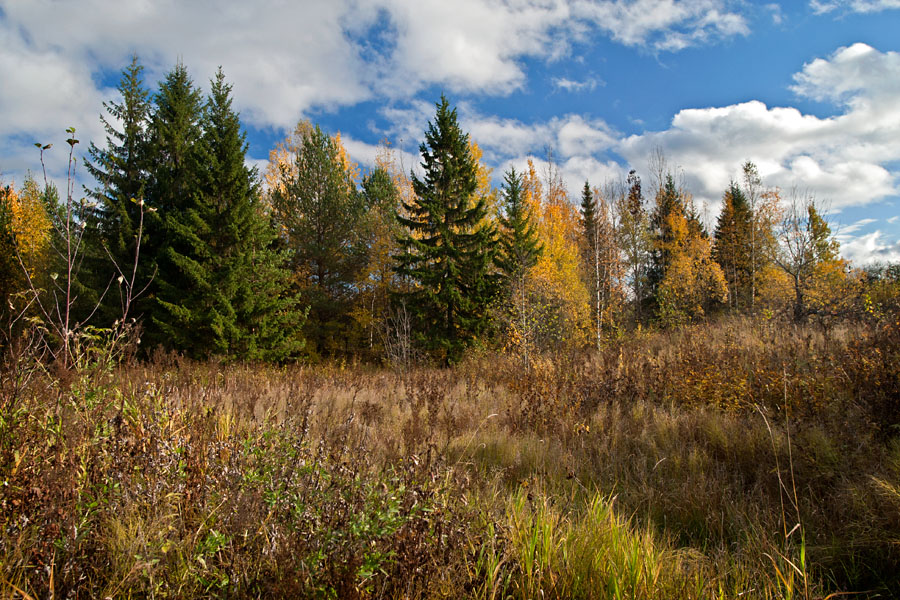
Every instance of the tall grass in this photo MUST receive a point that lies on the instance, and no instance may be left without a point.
(675, 465)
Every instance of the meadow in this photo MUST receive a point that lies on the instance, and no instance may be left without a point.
(746, 458)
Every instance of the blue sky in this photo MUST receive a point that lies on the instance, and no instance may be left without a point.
(809, 90)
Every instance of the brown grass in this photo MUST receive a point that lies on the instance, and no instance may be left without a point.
(644, 471)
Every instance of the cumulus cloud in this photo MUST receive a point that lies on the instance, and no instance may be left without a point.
(843, 159)
(569, 136)
(870, 248)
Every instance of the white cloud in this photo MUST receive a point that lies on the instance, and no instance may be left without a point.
(870, 248)
(842, 159)
(848, 230)
(570, 85)
(664, 25)
(861, 6)
(777, 15)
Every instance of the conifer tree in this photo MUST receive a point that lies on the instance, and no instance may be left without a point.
(732, 248)
(519, 251)
(449, 246)
(121, 172)
(319, 209)
(589, 219)
(519, 243)
(174, 137)
(233, 302)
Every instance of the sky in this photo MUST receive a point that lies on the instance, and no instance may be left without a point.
(809, 90)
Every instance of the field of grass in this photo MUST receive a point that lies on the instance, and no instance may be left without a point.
(751, 459)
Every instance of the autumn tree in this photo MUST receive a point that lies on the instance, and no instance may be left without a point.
(692, 282)
(808, 254)
(381, 229)
(448, 246)
(318, 209)
(25, 250)
(561, 298)
(608, 266)
(633, 235)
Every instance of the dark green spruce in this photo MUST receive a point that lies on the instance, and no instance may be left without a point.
(232, 296)
(448, 248)
(121, 172)
(520, 247)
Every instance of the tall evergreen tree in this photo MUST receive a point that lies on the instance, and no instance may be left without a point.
(519, 243)
(321, 212)
(234, 285)
(121, 172)
(732, 246)
(520, 249)
(175, 134)
(449, 246)
(589, 219)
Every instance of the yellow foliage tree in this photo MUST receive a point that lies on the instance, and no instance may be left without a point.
(561, 299)
(31, 227)
(693, 281)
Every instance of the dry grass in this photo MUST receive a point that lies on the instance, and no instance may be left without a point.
(645, 471)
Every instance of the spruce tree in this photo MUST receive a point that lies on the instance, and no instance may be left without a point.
(520, 247)
(121, 172)
(589, 219)
(732, 248)
(448, 249)
(234, 285)
(173, 227)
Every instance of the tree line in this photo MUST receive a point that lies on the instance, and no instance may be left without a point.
(180, 240)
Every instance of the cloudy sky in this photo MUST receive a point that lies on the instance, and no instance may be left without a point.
(807, 89)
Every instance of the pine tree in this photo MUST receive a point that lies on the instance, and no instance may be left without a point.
(449, 247)
(319, 209)
(121, 172)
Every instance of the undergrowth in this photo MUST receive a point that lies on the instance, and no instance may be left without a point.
(745, 459)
